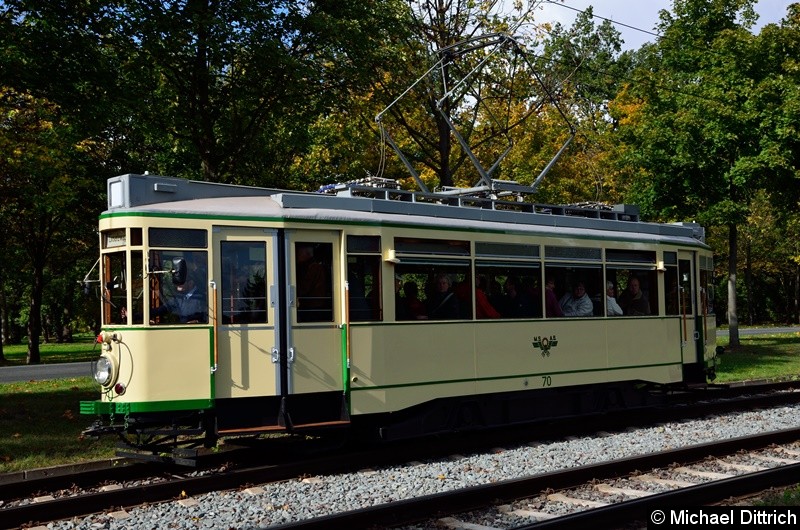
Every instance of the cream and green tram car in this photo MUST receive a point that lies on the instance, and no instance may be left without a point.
(230, 310)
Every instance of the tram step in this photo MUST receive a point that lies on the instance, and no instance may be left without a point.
(280, 428)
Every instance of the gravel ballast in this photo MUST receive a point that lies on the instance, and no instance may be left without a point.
(273, 504)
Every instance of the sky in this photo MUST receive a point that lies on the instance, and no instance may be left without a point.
(641, 14)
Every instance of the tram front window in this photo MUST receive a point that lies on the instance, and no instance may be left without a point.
(114, 288)
(173, 299)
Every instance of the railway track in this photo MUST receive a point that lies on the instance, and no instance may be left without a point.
(52, 496)
(572, 498)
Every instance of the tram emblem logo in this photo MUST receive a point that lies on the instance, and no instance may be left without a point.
(545, 343)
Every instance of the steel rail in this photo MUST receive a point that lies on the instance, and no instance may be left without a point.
(420, 509)
(334, 461)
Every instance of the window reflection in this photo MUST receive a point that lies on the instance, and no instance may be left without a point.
(244, 284)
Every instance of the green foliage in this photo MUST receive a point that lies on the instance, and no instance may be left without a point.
(43, 193)
(235, 85)
(709, 136)
(702, 125)
(40, 425)
(455, 73)
(704, 136)
(585, 69)
(786, 497)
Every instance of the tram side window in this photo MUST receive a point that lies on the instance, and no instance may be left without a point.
(244, 284)
(578, 291)
(671, 284)
(313, 270)
(637, 290)
(176, 298)
(707, 291)
(114, 288)
(137, 287)
(364, 278)
(427, 291)
(512, 291)
(687, 293)
(364, 288)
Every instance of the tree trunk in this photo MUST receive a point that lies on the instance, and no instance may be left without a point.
(47, 325)
(35, 316)
(796, 308)
(3, 318)
(733, 319)
(748, 281)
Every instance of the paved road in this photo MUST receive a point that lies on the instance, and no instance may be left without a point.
(760, 331)
(10, 374)
(40, 372)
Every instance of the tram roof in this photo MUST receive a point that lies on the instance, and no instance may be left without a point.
(157, 194)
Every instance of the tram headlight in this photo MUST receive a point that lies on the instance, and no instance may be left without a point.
(103, 371)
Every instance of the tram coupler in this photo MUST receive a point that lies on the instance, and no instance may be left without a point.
(98, 429)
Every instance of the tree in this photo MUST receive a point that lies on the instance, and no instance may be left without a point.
(233, 85)
(770, 262)
(701, 138)
(42, 192)
(193, 88)
(584, 65)
(465, 80)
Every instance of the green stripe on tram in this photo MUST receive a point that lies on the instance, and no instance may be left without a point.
(506, 377)
(113, 407)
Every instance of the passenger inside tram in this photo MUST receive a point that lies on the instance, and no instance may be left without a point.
(552, 307)
(577, 303)
(413, 308)
(443, 303)
(632, 300)
(612, 307)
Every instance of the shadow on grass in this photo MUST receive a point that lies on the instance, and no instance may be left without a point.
(83, 349)
(40, 424)
(761, 357)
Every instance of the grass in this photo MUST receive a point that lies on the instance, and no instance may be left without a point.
(84, 348)
(40, 425)
(785, 497)
(760, 357)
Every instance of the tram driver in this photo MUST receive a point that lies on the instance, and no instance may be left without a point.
(189, 304)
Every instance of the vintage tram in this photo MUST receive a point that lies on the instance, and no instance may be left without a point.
(232, 310)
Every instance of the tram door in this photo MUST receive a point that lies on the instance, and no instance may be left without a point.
(689, 332)
(314, 340)
(245, 274)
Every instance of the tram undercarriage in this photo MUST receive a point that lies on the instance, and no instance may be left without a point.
(164, 437)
